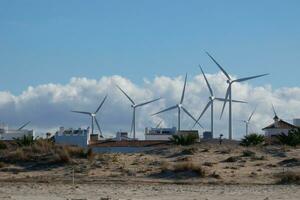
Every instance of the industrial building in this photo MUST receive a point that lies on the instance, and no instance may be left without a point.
(11, 134)
(159, 134)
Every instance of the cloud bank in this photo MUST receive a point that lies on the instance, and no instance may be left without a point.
(48, 106)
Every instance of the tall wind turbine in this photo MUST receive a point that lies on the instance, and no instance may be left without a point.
(93, 116)
(134, 106)
(229, 92)
(179, 107)
(247, 122)
(210, 103)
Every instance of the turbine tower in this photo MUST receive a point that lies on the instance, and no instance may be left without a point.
(134, 106)
(93, 116)
(210, 103)
(180, 107)
(247, 122)
(228, 95)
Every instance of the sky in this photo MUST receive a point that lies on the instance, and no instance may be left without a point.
(52, 44)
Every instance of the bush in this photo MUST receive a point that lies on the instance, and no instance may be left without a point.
(289, 178)
(183, 140)
(252, 140)
(291, 139)
(26, 140)
(3, 145)
(188, 166)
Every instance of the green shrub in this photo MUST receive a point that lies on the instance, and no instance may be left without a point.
(26, 140)
(252, 140)
(183, 140)
(3, 145)
(291, 139)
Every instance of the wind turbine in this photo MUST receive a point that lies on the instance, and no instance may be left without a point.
(134, 106)
(93, 116)
(229, 91)
(247, 122)
(23, 126)
(210, 103)
(179, 107)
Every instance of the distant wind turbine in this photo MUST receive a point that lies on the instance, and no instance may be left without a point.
(93, 116)
(134, 106)
(247, 122)
(228, 93)
(180, 107)
(210, 103)
(23, 126)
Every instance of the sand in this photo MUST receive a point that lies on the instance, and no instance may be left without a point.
(43, 191)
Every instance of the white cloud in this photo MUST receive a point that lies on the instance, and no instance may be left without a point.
(48, 106)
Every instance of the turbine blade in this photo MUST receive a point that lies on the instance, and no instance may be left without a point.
(226, 100)
(158, 125)
(126, 95)
(204, 110)
(207, 83)
(24, 125)
(81, 112)
(142, 104)
(183, 91)
(167, 109)
(274, 111)
(97, 123)
(248, 78)
(132, 122)
(252, 114)
(101, 104)
(221, 68)
(191, 116)
(235, 101)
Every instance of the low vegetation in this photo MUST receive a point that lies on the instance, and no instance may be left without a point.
(288, 178)
(41, 152)
(184, 140)
(291, 139)
(26, 140)
(252, 139)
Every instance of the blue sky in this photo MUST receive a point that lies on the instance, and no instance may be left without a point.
(52, 41)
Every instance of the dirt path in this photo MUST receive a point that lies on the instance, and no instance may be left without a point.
(43, 191)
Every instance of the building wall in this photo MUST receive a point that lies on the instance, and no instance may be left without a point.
(272, 132)
(158, 137)
(12, 134)
(78, 140)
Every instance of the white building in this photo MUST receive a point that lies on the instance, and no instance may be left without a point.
(159, 134)
(79, 137)
(11, 134)
(280, 127)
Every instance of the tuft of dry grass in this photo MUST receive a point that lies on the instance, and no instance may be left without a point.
(183, 167)
(288, 178)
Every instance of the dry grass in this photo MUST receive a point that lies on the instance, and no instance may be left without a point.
(183, 167)
(289, 178)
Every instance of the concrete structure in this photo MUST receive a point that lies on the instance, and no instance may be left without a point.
(121, 136)
(207, 135)
(159, 134)
(279, 127)
(78, 137)
(11, 134)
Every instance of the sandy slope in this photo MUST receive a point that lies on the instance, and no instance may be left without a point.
(26, 191)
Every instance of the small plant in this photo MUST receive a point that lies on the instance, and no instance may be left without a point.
(26, 140)
(3, 145)
(188, 166)
(289, 178)
(291, 139)
(253, 139)
(183, 140)
(248, 153)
